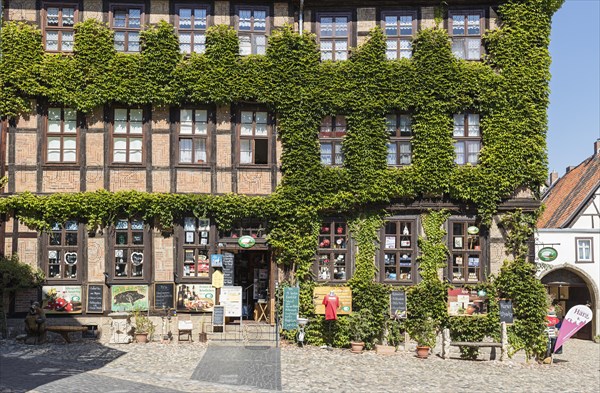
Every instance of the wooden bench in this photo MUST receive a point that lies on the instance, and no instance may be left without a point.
(65, 330)
(503, 344)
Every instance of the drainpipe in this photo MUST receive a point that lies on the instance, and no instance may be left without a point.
(301, 17)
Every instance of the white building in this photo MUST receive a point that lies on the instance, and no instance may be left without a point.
(568, 240)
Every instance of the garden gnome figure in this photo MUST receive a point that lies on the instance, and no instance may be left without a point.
(35, 325)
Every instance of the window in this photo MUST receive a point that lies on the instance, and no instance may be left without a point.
(332, 254)
(58, 27)
(196, 246)
(62, 251)
(254, 137)
(584, 250)
(332, 132)
(399, 251)
(467, 138)
(252, 30)
(128, 135)
(191, 25)
(399, 28)
(61, 135)
(465, 249)
(465, 30)
(129, 249)
(193, 136)
(334, 36)
(247, 227)
(399, 128)
(126, 22)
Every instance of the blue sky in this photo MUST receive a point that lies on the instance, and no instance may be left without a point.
(574, 112)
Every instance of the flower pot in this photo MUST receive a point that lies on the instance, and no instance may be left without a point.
(141, 338)
(422, 352)
(357, 347)
(385, 349)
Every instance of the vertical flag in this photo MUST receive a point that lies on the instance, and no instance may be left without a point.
(576, 318)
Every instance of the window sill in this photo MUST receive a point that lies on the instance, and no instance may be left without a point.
(189, 165)
(127, 165)
(60, 165)
(585, 261)
(254, 166)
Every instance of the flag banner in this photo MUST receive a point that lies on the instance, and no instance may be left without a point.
(575, 319)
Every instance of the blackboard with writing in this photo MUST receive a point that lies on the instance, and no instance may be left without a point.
(164, 295)
(398, 304)
(290, 307)
(228, 269)
(95, 298)
(506, 311)
(218, 316)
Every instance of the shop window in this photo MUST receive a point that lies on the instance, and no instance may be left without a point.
(252, 30)
(128, 135)
(584, 250)
(247, 227)
(193, 136)
(399, 251)
(58, 24)
(126, 22)
(130, 255)
(332, 132)
(196, 247)
(465, 248)
(399, 128)
(334, 36)
(62, 251)
(61, 135)
(467, 138)
(332, 255)
(191, 25)
(465, 28)
(254, 133)
(399, 28)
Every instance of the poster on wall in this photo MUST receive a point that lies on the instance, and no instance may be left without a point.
(231, 298)
(129, 298)
(464, 302)
(195, 297)
(61, 299)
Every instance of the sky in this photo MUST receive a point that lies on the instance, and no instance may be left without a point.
(574, 111)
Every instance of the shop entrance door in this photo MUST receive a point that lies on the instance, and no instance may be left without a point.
(253, 275)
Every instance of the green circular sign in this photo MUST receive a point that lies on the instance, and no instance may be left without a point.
(246, 241)
(346, 308)
(472, 230)
(548, 254)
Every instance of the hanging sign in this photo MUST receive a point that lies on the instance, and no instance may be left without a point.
(576, 318)
(548, 254)
(246, 241)
(217, 279)
(472, 230)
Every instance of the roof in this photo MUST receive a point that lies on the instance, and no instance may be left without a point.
(570, 194)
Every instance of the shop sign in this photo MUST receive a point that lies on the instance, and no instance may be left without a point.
(472, 230)
(246, 241)
(548, 254)
(216, 260)
(70, 258)
(218, 279)
(195, 297)
(61, 299)
(129, 298)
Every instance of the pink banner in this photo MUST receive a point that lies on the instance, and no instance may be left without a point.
(576, 318)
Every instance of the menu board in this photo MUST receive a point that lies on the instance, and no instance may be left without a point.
(291, 307)
(95, 298)
(398, 304)
(163, 295)
(228, 268)
(218, 316)
(343, 293)
(506, 311)
(231, 299)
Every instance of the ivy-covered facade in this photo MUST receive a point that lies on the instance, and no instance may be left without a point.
(330, 132)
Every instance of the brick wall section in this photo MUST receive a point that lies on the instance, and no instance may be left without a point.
(193, 180)
(26, 149)
(159, 10)
(427, 17)
(161, 181)
(96, 258)
(23, 10)
(60, 181)
(25, 181)
(94, 149)
(221, 12)
(366, 20)
(281, 15)
(128, 179)
(95, 119)
(92, 9)
(94, 180)
(27, 250)
(160, 150)
(223, 182)
(163, 257)
(254, 182)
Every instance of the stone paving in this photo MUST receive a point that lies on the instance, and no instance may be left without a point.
(90, 367)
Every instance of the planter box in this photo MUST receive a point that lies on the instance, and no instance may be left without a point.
(385, 349)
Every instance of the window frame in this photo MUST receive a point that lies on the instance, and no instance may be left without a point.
(129, 247)
(127, 135)
(398, 250)
(62, 135)
(398, 139)
(176, 19)
(63, 248)
(350, 40)
(399, 37)
(333, 138)
(252, 33)
(196, 246)
(127, 30)
(210, 124)
(465, 139)
(239, 137)
(481, 253)
(59, 29)
(482, 27)
(330, 253)
(591, 247)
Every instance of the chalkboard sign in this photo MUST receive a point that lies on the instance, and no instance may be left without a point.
(290, 307)
(506, 311)
(95, 298)
(218, 316)
(398, 304)
(228, 271)
(164, 295)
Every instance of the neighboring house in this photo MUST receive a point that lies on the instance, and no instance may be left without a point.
(571, 226)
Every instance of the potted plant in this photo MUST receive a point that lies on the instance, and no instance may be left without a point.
(143, 327)
(424, 332)
(359, 329)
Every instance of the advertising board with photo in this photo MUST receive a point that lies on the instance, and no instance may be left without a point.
(62, 299)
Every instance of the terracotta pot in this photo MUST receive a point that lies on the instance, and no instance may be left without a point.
(141, 338)
(357, 347)
(422, 352)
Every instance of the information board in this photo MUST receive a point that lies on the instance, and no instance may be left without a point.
(506, 311)
(164, 295)
(291, 307)
(218, 316)
(95, 298)
(398, 304)
(231, 299)
(228, 268)
(343, 293)
(465, 302)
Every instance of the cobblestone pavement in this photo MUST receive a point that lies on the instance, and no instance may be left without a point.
(90, 367)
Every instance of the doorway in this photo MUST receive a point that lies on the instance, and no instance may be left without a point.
(252, 273)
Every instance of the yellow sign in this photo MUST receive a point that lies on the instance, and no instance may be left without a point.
(217, 279)
(343, 293)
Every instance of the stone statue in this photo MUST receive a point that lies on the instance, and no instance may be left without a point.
(35, 325)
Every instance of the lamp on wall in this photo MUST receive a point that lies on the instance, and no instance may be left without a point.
(106, 279)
